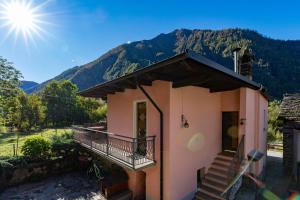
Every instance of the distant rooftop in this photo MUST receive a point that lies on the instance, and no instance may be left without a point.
(290, 107)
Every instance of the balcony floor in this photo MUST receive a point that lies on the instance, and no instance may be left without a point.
(115, 155)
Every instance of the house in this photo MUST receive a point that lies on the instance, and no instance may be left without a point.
(290, 115)
(180, 127)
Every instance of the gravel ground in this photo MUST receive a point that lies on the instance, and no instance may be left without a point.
(74, 186)
(275, 180)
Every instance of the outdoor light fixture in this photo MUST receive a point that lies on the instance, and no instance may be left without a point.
(184, 122)
(242, 121)
(255, 155)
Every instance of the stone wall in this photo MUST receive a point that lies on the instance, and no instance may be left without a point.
(288, 146)
(18, 170)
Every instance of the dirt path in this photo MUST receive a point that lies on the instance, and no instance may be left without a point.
(74, 186)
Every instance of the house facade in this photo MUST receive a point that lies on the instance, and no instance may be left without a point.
(178, 126)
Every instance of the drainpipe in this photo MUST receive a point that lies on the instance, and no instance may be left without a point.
(161, 116)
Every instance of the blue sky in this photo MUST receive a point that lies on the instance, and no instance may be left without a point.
(79, 31)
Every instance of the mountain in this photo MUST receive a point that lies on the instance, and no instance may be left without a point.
(276, 66)
(28, 86)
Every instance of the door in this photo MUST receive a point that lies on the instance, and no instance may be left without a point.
(230, 125)
(141, 127)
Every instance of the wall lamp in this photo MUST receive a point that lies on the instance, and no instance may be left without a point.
(242, 121)
(184, 122)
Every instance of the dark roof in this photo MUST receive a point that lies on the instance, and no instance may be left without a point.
(290, 107)
(185, 69)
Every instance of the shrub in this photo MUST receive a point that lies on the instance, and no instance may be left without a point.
(36, 147)
(5, 167)
(65, 138)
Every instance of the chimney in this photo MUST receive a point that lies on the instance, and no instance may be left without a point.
(236, 60)
(246, 64)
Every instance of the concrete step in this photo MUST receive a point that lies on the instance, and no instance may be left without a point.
(223, 169)
(224, 157)
(216, 178)
(203, 196)
(222, 161)
(211, 192)
(213, 184)
(218, 172)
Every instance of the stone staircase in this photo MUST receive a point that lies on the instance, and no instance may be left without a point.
(215, 180)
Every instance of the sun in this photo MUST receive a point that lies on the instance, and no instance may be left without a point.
(21, 18)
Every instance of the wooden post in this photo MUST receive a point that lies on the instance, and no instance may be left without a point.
(17, 144)
(14, 150)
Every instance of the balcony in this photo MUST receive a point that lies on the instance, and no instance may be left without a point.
(133, 153)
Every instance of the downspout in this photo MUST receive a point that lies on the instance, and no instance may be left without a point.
(161, 116)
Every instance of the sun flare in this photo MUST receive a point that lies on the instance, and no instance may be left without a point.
(21, 18)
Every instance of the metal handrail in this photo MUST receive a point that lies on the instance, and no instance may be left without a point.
(237, 160)
(133, 151)
(108, 133)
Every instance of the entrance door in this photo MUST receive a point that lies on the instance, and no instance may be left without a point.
(230, 124)
(141, 127)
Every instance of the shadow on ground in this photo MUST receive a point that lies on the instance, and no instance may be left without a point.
(74, 186)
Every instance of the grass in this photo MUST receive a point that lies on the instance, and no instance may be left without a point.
(8, 139)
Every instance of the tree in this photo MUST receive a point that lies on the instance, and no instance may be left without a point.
(274, 133)
(9, 89)
(29, 112)
(89, 110)
(59, 99)
(64, 107)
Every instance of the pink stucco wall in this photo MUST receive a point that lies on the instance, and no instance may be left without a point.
(187, 149)
(120, 120)
(194, 147)
(253, 108)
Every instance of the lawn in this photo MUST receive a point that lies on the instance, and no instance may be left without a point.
(8, 139)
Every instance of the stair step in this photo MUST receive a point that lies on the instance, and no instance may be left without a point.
(218, 172)
(224, 157)
(211, 192)
(223, 169)
(203, 196)
(213, 184)
(219, 165)
(222, 161)
(227, 153)
(216, 178)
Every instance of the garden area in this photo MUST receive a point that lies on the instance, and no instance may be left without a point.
(11, 143)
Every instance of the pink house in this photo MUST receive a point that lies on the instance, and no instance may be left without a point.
(181, 128)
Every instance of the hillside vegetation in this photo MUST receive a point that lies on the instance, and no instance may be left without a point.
(277, 64)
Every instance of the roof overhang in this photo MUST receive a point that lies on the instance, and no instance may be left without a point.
(185, 69)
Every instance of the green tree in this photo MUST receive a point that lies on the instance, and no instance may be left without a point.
(274, 133)
(89, 110)
(29, 112)
(59, 99)
(9, 89)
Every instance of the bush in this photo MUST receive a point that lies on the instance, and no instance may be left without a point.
(36, 147)
(65, 138)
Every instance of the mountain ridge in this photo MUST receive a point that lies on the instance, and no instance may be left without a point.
(28, 86)
(275, 59)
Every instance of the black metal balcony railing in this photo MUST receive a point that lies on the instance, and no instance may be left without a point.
(135, 153)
